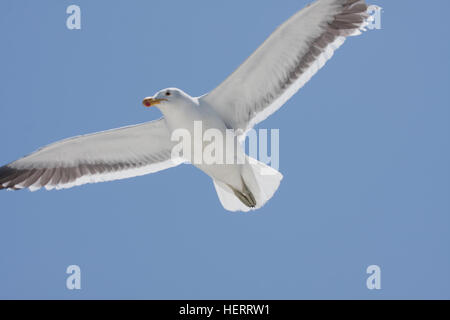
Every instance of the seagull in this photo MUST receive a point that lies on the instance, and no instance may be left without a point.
(287, 60)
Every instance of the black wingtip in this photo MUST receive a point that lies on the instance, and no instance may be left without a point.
(6, 173)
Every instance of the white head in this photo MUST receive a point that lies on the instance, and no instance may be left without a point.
(166, 97)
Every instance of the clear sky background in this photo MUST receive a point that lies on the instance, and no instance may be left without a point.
(364, 149)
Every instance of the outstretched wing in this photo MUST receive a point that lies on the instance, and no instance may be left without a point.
(103, 156)
(286, 61)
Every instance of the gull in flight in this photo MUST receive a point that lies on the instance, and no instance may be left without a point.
(260, 86)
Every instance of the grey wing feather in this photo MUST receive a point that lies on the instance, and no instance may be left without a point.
(103, 156)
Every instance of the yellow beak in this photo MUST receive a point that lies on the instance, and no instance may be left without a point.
(150, 102)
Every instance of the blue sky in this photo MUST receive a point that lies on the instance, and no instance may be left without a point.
(364, 149)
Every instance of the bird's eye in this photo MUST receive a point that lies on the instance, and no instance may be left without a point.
(168, 93)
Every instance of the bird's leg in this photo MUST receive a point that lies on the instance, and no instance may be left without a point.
(245, 195)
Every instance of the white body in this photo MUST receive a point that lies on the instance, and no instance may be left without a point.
(184, 114)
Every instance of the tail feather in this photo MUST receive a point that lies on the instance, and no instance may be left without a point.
(260, 184)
